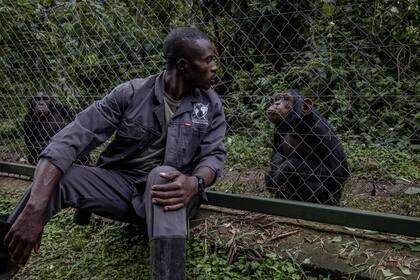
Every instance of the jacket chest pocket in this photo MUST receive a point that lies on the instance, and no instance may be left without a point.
(190, 140)
(132, 138)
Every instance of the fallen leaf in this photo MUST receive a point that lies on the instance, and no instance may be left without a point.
(387, 273)
(405, 270)
(370, 231)
(337, 239)
(307, 261)
(412, 190)
(350, 229)
(271, 255)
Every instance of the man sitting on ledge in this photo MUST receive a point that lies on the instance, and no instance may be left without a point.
(167, 149)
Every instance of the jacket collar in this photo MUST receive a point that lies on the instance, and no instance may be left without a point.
(186, 104)
(158, 108)
(159, 87)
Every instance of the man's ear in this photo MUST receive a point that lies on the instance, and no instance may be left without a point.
(306, 106)
(182, 65)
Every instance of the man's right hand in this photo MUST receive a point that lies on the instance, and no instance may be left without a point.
(26, 232)
(24, 235)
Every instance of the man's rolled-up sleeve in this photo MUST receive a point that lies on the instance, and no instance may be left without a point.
(212, 150)
(91, 127)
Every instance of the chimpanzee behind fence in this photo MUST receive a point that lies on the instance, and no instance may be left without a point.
(44, 119)
(308, 162)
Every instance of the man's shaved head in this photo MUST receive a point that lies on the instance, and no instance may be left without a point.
(178, 44)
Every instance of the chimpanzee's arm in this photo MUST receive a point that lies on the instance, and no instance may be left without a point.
(273, 168)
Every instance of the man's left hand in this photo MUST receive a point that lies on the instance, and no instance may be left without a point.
(175, 194)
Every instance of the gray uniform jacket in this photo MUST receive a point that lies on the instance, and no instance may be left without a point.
(135, 111)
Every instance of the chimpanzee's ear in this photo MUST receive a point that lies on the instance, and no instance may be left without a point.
(306, 106)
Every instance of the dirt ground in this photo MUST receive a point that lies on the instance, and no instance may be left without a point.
(327, 248)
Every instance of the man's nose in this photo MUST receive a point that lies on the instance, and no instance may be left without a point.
(214, 67)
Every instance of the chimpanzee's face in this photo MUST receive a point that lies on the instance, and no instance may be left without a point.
(202, 70)
(281, 107)
(41, 103)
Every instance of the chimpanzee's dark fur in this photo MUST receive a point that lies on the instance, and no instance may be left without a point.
(308, 162)
(40, 125)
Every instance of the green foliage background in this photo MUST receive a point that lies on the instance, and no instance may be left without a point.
(358, 60)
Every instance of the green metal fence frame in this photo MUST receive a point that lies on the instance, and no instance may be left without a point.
(383, 222)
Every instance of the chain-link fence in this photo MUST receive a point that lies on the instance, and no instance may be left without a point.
(356, 60)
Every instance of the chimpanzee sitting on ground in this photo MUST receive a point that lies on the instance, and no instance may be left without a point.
(308, 162)
(44, 119)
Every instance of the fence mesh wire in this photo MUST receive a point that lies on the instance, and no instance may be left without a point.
(358, 62)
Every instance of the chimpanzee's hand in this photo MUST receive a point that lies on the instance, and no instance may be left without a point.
(175, 194)
(24, 235)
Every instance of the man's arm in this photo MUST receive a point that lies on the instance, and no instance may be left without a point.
(92, 127)
(26, 232)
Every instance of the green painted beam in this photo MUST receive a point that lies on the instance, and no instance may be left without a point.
(376, 221)
(382, 222)
(17, 168)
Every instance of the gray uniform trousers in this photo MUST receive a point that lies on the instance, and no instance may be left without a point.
(118, 196)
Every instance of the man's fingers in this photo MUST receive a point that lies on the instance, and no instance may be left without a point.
(24, 259)
(17, 252)
(25, 255)
(12, 245)
(170, 175)
(8, 237)
(167, 194)
(167, 201)
(37, 247)
(173, 207)
(166, 187)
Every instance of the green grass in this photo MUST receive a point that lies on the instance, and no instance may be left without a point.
(102, 250)
(368, 161)
(406, 205)
(382, 162)
(245, 151)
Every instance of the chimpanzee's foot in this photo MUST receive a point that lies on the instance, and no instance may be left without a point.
(7, 267)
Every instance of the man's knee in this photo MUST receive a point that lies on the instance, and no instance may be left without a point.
(154, 175)
(163, 168)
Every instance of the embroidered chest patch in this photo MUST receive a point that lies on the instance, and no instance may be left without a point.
(199, 114)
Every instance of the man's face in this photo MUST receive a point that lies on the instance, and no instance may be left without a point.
(202, 70)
